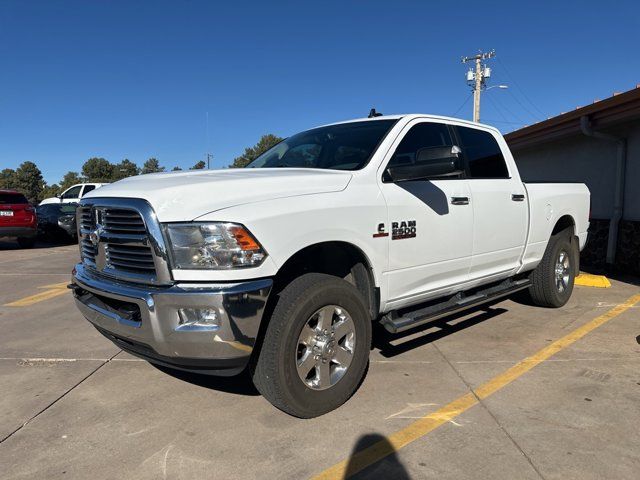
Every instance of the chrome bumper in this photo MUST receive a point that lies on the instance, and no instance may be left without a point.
(144, 320)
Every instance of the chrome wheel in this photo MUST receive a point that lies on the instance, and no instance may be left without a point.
(562, 271)
(325, 347)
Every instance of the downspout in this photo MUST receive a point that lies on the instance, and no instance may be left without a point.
(618, 199)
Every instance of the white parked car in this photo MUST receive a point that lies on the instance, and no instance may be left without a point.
(73, 194)
(283, 266)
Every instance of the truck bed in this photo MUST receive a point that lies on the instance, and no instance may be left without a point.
(548, 202)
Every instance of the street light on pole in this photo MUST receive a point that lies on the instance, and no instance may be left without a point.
(497, 86)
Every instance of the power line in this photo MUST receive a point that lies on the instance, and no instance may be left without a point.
(495, 106)
(513, 80)
(535, 117)
(508, 111)
(463, 104)
(502, 121)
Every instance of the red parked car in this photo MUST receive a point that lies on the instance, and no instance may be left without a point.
(17, 218)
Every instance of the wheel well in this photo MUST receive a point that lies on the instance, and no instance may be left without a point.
(563, 223)
(340, 259)
(566, 223)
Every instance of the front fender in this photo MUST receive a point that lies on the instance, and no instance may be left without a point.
(287, 225)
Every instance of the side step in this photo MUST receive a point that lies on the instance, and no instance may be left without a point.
(457, 303)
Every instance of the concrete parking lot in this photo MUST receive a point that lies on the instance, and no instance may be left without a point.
(435, 404)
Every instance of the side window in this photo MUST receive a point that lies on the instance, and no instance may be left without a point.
(87, 189)
(483, 154)
(422, 135)
(73, 192)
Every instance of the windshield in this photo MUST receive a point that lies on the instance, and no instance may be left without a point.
(346, 146)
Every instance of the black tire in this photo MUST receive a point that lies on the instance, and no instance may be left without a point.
(26, 242)
(275, 373)
(546, 289)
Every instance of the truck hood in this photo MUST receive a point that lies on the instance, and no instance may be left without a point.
(184, 196)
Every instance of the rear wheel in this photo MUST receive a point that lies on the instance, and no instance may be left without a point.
(552, 280)
(26, 242)
(316, 347)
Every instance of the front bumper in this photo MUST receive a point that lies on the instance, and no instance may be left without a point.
(144, 320)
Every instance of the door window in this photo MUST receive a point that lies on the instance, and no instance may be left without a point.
(422, 135)
(483, 154)
(73, 192)
(87, 189)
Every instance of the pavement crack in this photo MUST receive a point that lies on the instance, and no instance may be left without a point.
(69, 390)
(486, 408)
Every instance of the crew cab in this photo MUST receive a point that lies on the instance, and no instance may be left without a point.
(73, 193)
(283, 267)
(17, 218)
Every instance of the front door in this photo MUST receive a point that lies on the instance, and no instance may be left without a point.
(430, 222)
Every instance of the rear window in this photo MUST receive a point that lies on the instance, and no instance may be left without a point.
(483, 154)
(7, 198)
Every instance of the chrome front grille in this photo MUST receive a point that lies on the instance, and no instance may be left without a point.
(87, 249)
(121, 238)
(131, 258)
(123, 221)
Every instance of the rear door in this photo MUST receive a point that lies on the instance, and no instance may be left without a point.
(15, 210)
(500, 209)
(430, 222)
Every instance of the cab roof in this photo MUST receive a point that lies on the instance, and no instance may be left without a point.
(411, 116)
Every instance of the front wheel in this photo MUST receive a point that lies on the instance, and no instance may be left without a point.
(552, 280)
(316, 346)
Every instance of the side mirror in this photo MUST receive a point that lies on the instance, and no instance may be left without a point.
(431, 162)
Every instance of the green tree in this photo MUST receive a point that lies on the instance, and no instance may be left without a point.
(176, 169)
(69, 179)
(251, 153)
(51, 190)
(152, 166)
(98, 169)
(198, 166)
(126, 168)
(29, 181)
(8, 178)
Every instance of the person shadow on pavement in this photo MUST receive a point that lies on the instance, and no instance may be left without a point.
(367, 449)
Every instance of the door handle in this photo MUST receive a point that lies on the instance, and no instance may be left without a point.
(517, 197)
(459, 200)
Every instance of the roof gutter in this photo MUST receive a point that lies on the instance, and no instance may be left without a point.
(621, 167)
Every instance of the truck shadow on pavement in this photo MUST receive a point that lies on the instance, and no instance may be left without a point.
(242, 384)
(239, 385)
(388, 467)
(445, 326)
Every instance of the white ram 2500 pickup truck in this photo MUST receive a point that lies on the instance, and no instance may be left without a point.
(282, 267)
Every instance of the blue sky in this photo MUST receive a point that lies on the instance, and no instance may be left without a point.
(133, 79)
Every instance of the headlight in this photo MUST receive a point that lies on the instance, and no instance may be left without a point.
(213, 246)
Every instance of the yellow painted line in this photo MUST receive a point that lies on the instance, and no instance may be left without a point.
(62, 285)
(588, 280)
(370, 455)
(54, 290)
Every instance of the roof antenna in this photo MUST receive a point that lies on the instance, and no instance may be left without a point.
(373, 113)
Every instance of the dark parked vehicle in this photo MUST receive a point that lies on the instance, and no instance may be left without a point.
(57, 221)
(17, 218)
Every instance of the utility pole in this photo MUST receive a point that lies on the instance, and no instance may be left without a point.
(476, 79)
(209, 157)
